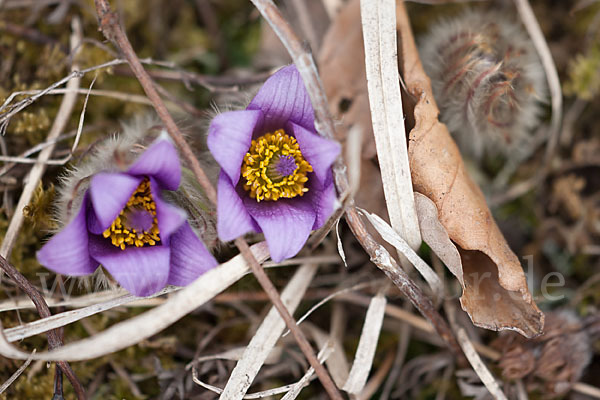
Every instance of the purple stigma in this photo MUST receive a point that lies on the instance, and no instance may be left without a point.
(285, 165)
(140, 220)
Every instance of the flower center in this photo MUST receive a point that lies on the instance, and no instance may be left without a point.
(274, 167)
(136, 224)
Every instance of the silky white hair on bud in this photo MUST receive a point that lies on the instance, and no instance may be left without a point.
(487, 80)
(112, 154)
(115, 154)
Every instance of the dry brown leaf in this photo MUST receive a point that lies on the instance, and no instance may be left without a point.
(496, 295)
(478, 277)
(436, 237)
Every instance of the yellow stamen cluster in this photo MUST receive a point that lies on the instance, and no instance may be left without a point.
(262, 180)
(121, 234)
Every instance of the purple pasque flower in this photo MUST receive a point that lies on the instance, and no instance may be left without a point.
(124, 224)
(275, 169)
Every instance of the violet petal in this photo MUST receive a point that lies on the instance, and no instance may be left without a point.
(67, 252)
(323, 199)
(110, 193)
(229, 138)
(233, 219)
(170, 218)
(284, 98)
(93, 225)
(141, 270)
(161, 162)
(318, 151)
(286, 224)
(189, 257)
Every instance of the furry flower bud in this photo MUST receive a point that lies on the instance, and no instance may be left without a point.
(118, 209)
(487, 81)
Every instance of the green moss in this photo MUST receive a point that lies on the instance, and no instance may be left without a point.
(39, 386)
(584, 75)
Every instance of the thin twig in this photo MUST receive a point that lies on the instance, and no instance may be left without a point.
(75, 74)
(209, 82)
(205, 81)
(306, 348)
(31, 34)
(109, 24)
(17, 373)
(381, 258)
(54, 339)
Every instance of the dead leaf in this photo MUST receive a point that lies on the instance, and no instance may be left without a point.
(501, 301)
(436, 237)
(490, 304)
(477, 275)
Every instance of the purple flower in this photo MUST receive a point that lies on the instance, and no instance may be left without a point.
(125, 225)
(275, 169)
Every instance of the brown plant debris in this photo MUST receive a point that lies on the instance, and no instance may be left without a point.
(551, 362)
(495, 294)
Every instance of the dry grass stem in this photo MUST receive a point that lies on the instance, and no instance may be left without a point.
(17, 373)
(478, 366)
(267, 335)
(541, 46)
(58, 126)
(65, 318)
(383, 260)
(404, 336)
(291, 391)
(473, 357)
(392, 237)
(329, 298)
(294, 391)
(379, 32)
(587, 390)
(133, 330)
(375, 382)
(365, 353)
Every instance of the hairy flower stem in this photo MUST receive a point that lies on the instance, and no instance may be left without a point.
(109, 24)
(54, 337)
